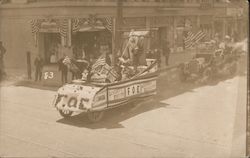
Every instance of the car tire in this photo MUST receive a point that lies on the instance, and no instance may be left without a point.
(65, 113)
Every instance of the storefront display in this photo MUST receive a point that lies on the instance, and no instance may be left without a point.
(51, 49)
(77, 38)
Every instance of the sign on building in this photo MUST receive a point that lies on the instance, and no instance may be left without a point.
(135, 22)
(159, 21)
(234, 11)
(206, 4)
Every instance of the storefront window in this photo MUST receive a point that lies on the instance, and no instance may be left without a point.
(91, 43)
(51, 47)
(179, 36)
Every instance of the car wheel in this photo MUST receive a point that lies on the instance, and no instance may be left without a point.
(65, 113)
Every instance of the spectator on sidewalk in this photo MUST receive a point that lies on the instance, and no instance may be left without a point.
(53, 58)
(217, 40)
(64, 69)
(226, 45)
(157, 56)
(166, 51)
(38, 65)
(150, 54)
(141, 52)
(2, 52)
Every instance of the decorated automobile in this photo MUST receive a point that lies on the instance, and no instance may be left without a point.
(95, 97)
(208, 64)
(103, 86)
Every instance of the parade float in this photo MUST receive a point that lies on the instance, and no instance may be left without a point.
(104, 86)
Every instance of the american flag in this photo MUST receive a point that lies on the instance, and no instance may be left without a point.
(76, 24)
(35, 25)
(99, 62)
(193, 38)
(110, 72)
(63, 27)
(112, 76)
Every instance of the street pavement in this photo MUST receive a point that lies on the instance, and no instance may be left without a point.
(182, 120)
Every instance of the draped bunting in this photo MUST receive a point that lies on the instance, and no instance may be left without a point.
(35, 27)
(108, 23)
(77, 23)
(65, 31)
(63, 27)
(71, 25)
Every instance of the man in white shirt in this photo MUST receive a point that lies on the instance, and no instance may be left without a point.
(53, 58)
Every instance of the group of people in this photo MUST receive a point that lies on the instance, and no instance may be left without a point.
(77, 67)
(75, 61)
(158, 52)
(225, 45)
(133, 55)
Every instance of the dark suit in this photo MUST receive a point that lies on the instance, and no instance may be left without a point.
(166, 53)
(64, 69)
(39, 65)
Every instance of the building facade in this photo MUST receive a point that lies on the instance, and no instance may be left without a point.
(56, 27)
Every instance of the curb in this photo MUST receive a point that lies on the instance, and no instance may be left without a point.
(33, 84)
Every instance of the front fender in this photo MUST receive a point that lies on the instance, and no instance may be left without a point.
(75, 97)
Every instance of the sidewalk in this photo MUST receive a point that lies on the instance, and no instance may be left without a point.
(14, 75)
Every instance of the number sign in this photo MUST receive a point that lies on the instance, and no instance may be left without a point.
(48, 75)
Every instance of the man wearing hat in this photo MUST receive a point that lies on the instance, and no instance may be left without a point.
(228, 47)
(225, 45)
(166, 50)
(2, 52)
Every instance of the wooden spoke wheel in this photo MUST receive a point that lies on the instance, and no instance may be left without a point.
(65, 113)
(95, 116)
